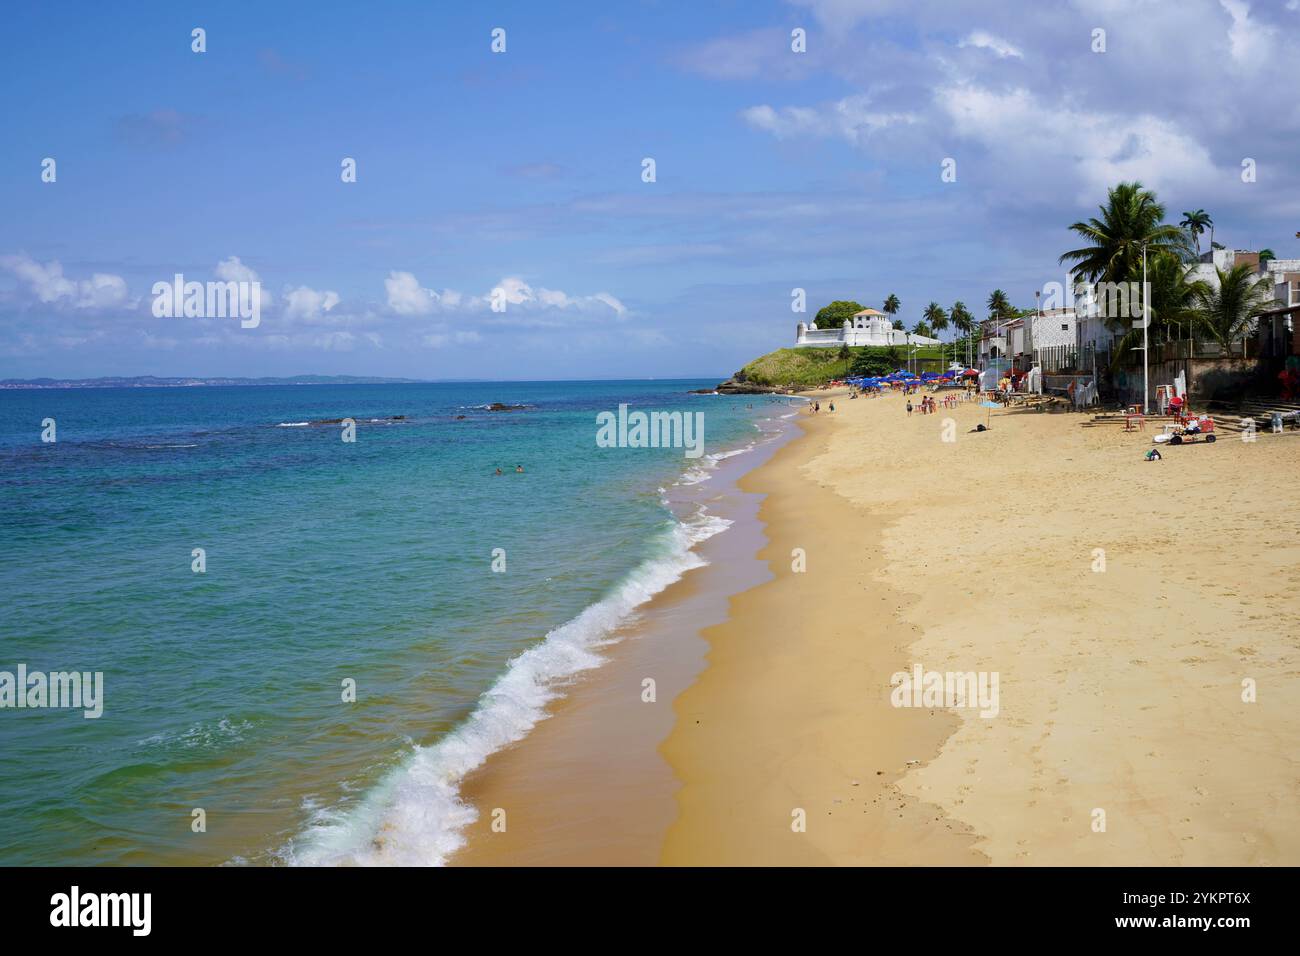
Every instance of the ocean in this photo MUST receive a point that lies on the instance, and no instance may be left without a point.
(372, 618)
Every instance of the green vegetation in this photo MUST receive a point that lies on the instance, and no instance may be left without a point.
(1131, 220)
(834, 316)
(1181, 307)
(1228, 312)
(810, 367)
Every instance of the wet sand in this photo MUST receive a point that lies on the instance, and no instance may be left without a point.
(588, 785)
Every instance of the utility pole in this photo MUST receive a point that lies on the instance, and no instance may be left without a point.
(1146, 325)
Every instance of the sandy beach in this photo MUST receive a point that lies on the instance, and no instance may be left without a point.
(1126, 607)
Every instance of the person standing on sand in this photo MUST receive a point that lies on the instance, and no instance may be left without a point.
(909, 409)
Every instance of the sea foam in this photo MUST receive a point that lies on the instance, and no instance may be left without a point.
(416, 816)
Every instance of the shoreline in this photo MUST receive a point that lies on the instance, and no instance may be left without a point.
(775, 724)
(587, 785)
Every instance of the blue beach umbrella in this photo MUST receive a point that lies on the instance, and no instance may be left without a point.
(989, 416)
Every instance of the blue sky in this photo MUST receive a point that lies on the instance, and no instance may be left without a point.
(522, 171)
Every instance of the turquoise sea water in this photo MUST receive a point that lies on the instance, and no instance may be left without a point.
(325, 561)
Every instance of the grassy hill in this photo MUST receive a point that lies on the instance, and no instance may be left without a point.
(809, 367)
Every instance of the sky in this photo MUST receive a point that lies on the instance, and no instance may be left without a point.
(523, 171)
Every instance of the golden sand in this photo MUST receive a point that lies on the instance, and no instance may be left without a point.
(1122, 735)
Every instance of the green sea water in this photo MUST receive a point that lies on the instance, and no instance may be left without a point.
(327, 564)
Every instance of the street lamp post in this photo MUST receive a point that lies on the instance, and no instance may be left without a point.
(1146, 325)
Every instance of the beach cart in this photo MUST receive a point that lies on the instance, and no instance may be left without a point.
(1192, 432)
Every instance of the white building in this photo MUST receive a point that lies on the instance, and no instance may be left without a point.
(1283, 274)
(867, 327)
(1046, 339)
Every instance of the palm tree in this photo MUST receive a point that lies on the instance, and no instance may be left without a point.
(892, 305)
(1265, 255)
(1131, 218)
(1227, 313)
(1196, 223)
(964, 323)
(921, 329)
(999, 304)
(898, 324)
(935, 317)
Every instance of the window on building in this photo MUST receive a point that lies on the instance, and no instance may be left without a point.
(1295, 293)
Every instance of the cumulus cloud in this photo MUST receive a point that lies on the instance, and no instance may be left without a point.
(983, 40)
(307, 303)
(234, 270)
(515, 291)
(1099, 148)
(49, 286)
(407, 297)
(1250, 40)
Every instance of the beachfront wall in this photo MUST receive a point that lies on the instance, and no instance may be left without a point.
(1208, 379)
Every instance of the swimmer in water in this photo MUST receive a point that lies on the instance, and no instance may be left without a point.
(499, 471)
(519, 469)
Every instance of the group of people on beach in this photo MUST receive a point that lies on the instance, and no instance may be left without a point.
(926, 406)
(929, 405)
(816, 407)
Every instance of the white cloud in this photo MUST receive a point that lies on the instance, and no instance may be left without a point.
(1250, 41)
(1100, 148)
(515, 291)
(407, 297)
(51, 287)
(233, 270)
(307, 303)
(983, 40)
(850, 118)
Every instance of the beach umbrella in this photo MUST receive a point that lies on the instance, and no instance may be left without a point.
(989, 415)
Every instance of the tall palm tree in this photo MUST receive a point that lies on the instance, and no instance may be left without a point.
(935, 317)
(921, 329)
(1131, 217)
(1265, 255)
(1228, 312)
(898, 324)
(999, 304)
(964, 323)
(892, 305)
(1196, 223)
